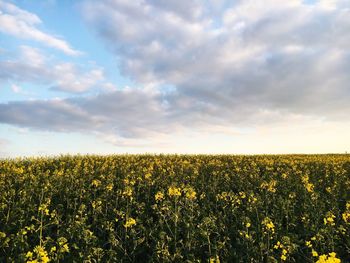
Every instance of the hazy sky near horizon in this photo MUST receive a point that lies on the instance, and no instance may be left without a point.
(175, 76)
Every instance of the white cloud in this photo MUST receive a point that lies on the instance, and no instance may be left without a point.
(33, 66)
(263, 55)
(32, 56)
(23, 24)
(69, 78)
(15, 88)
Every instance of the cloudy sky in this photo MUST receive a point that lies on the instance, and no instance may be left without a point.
(175, 76)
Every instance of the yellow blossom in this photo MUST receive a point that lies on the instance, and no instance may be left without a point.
(269, 225)
(40, 255)
(174, 191)
(127, 192)
(190, 193)
(346, 217)
(330, 258)
(109, 187)
(130, 222)
(96, 183)
(148, 176)
(43, 208)
(159, 196)
(308, 243)
(269, 186)
(215, 259)
(129, 182)
(329, 220)
(309, 186)
(29, 254)
(278, 245)
(65, 248)
(242, 195)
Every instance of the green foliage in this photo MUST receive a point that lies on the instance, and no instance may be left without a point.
(175, 208)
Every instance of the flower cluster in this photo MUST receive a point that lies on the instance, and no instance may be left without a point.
(268, 225)
(174, 191)
(130, 222)
(39, 255)
(330, 258)
(329, 219)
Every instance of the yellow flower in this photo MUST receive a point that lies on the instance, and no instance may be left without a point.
(43, 208)
(159, 196)
(269, 186)
(127, 192)
(278, 245)
(65, 248)
(148, 176)
(96, 204)
(314, 253)
(95, 183)
(283, 257)
(174, 191)
(308, 243)
(329, 220)
(330, 258)
(269, 225)
(109, 187)
(242, 195)
(41, 255)
(190, 193)
(309, 187)
(130, 222)
(248, 225)
(215, 259)
(129, 182)
(29, 254)
(346, 217)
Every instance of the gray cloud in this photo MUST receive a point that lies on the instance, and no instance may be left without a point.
(269, 56)
(133, 114)
(46, 115)
(127, 113)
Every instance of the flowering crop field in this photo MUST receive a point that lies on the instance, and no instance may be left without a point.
(175, 208)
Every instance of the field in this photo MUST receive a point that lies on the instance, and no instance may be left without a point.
(175, 208)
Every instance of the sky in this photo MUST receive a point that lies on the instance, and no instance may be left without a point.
(175, 76)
